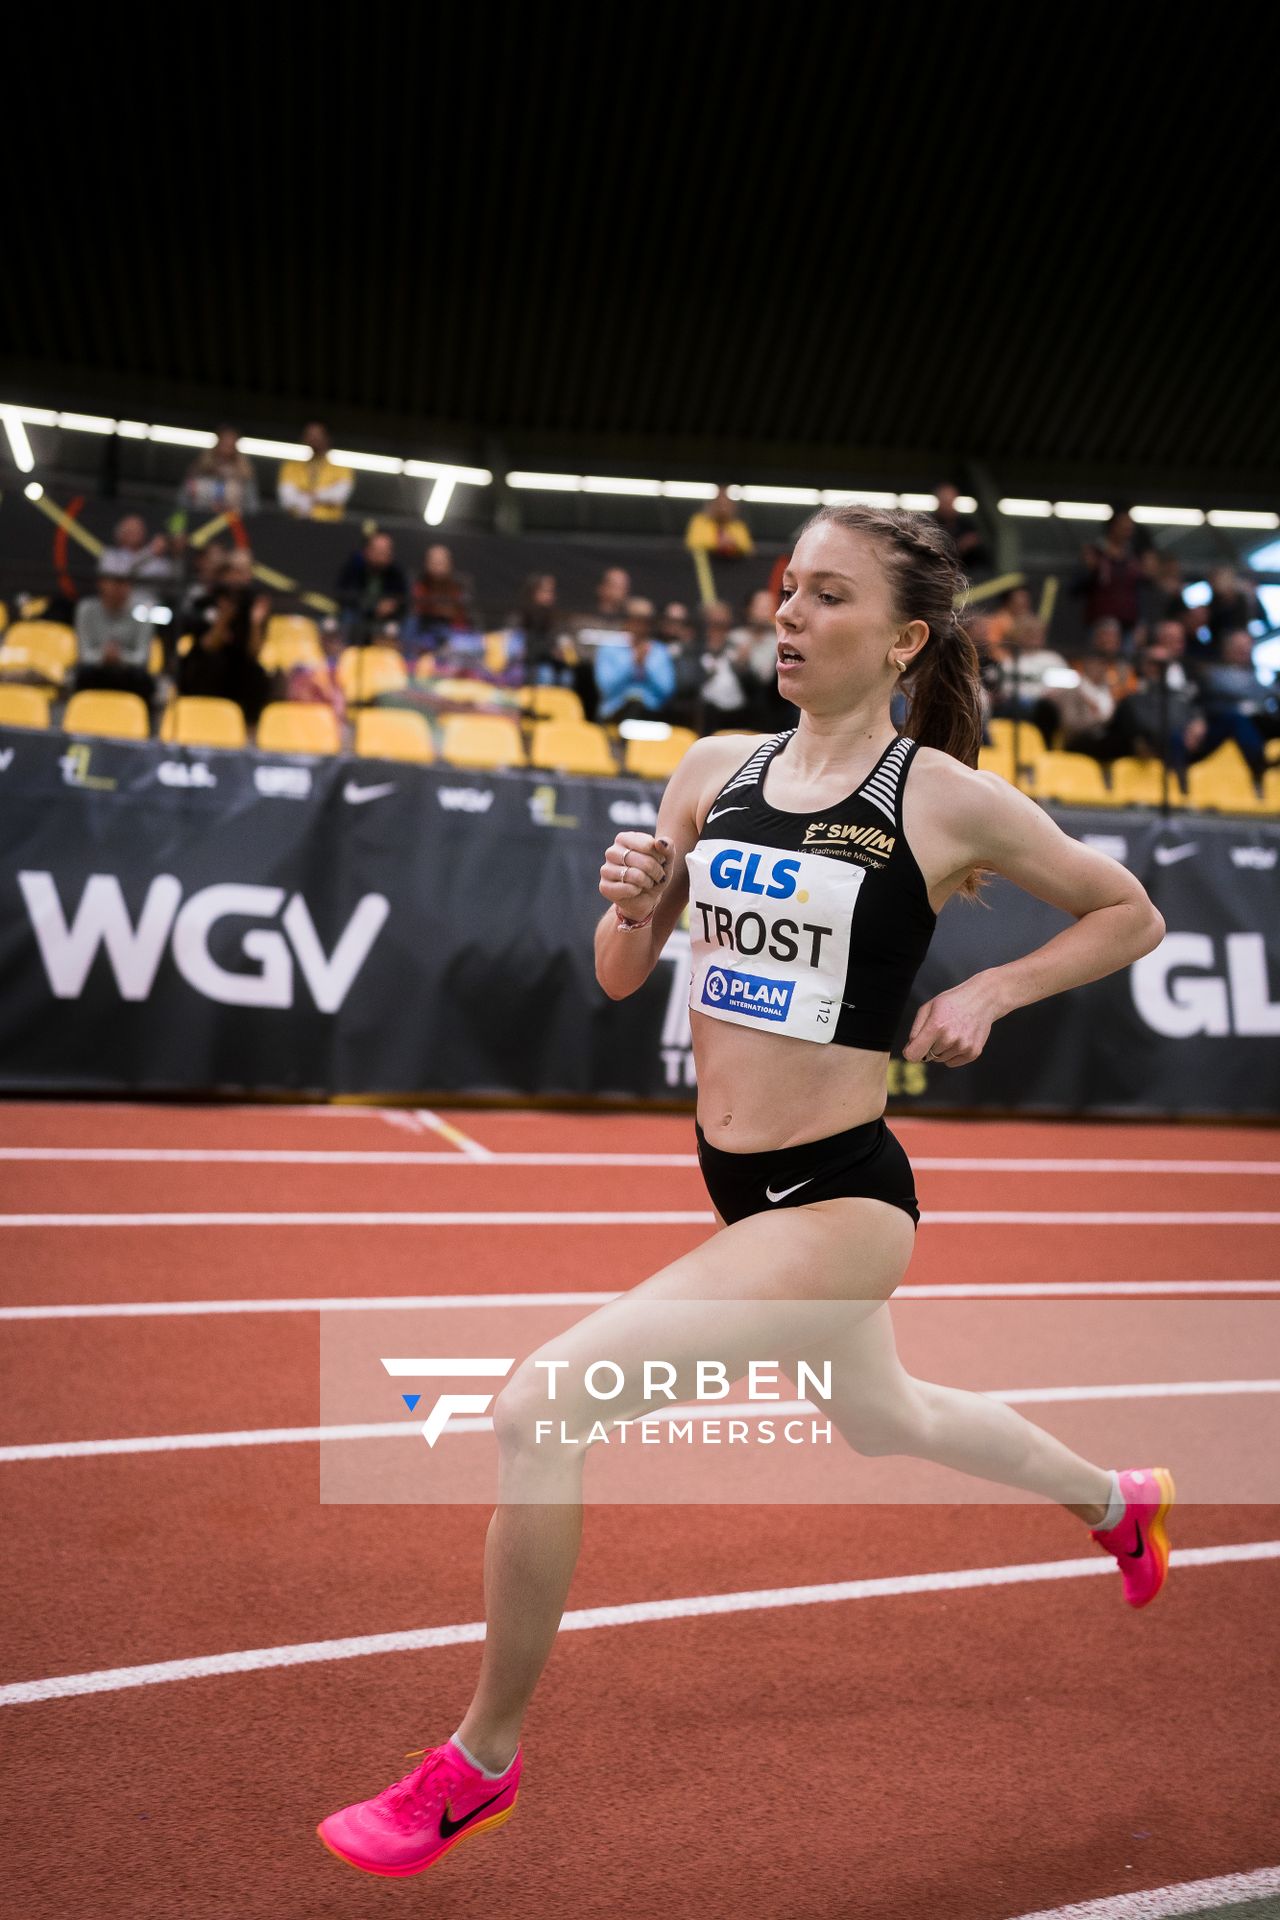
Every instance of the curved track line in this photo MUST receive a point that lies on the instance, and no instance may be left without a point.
(1190, 1896)
(67, 1686)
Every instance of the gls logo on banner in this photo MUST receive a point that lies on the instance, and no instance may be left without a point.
(465, 799)
(102, 920)
(1181, 1004)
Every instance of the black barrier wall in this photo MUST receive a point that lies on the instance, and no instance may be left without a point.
(178, 920)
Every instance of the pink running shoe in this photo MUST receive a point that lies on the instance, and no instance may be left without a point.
(1140, 1543)
(407, 1826)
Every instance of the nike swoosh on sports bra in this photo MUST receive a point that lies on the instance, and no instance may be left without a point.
(812, 924)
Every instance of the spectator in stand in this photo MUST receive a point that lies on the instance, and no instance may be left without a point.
(1112, 577)
(757, 646)
(148, 565)
(227, 631)
(1159, 719)
(679, 636)
(966, 540)
(1233, 605)
(589, 630)
(442, 603)
(1087, 710)
(719, 529)
(1025, 666)
(540, 628)
(727, 683)
(635, 676)
(1160, 594)
(371, 590)
(1238, 706)
(221, 479)
(1014, 605)
(112, 644)
(206, 564)
(1107, 640)
(314, 489)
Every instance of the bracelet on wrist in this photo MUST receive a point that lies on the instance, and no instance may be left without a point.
(631, 926)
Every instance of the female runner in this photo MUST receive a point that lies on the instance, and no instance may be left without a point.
(814, 871)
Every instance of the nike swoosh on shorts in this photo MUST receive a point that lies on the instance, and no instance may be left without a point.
(769, 1193)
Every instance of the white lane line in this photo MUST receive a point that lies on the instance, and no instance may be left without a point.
(695, 1606)
(1157, 1903)
(470, 1149)
(483, 1423)
(541, 1219)
(473, 1154)
(393, 1302)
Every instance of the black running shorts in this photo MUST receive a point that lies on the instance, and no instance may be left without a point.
(866, 1160)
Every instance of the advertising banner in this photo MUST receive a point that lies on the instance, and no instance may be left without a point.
(178, 920)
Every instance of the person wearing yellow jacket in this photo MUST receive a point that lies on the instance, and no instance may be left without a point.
(719, 529)
(314, 489)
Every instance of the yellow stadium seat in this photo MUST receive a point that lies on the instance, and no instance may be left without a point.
(24, 707)
(291, 640)
(384, 734)
(1075, 778)
(1139, 783)
(1271, 752)
(993, 760)
(196, 721)
(495, 653)
(1271, 790)
(555, 703)
(113, 716)
(481, 740)
(1031, 742)
(4, 616)
(298, 726)
(658, 759)
(365, 672)
(39, 646)
(571, 746)
(1222, 785)
(471, 692)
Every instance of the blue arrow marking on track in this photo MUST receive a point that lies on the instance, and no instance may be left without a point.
(411, 1400)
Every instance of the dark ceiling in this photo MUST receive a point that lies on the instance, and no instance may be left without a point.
(724, 240)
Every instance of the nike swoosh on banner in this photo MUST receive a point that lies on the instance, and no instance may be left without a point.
(356, 796)
(722, 812)
(769, 1193)
(448, 1826)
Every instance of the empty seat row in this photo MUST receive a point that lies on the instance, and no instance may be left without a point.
(1221, 783)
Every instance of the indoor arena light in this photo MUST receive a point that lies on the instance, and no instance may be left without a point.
(273, 449)
(1229, 517)
(86, 422)
(919, 502)
(182, 436)
(688, 489)
(19, 445)
(546, 482)
(438, 500)
(33, 490)
(781, 496)
(367, 462)
(857, 497)
(1081, 510)
(448, 470)
(132, 429)
(1168, 516)
(605, 483)
(1025, 509)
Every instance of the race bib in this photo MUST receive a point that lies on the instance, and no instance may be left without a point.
(769, 933)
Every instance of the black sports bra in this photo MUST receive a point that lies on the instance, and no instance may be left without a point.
(811, 924)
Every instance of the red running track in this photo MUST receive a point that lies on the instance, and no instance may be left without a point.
(975, 1754)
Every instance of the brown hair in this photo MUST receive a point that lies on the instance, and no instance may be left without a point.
(942, 682)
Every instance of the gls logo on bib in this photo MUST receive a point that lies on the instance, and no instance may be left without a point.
(102, 920)
(769, 936)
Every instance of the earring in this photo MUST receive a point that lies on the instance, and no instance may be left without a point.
(901, 665)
